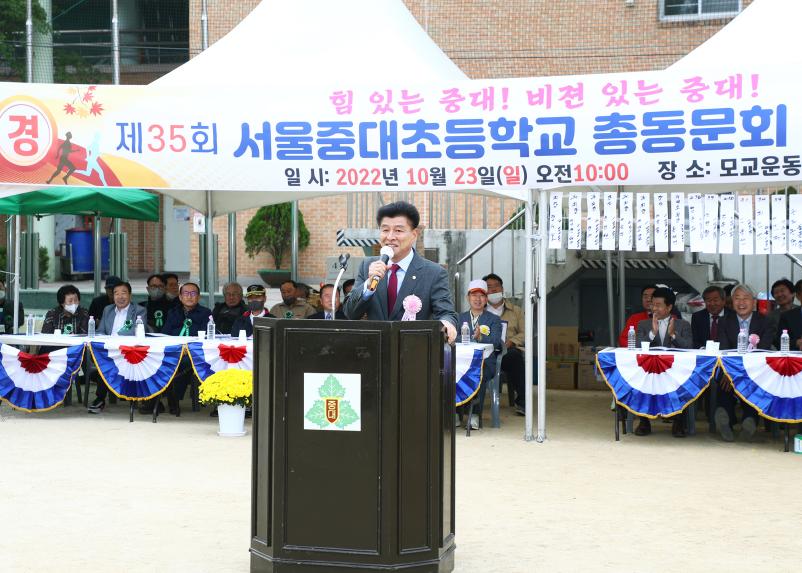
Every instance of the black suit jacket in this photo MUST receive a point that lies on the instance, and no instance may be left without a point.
(700, 326)
(790, 320)
(759, 325)
(339, 315)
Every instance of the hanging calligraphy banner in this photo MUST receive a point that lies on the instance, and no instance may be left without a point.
(625, 225)
(643, 224)
(726, 226)
(779, 238)
(762, 225)
(710, 227)
(609, 230)
(677, 222)
(556, 220)
(696, 221)
(593, 222)
(575, 220)
(660, 222)
(746, 225)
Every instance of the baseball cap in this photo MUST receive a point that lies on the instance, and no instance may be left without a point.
(255, 290)
(477, 284)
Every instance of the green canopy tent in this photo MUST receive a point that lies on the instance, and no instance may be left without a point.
(98, 201)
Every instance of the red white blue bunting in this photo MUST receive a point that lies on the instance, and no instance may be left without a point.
(37, 382)
(468, 374)
(656, 384)
(136, 372)
(771, 383)
(210, 357)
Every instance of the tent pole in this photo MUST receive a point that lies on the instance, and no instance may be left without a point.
(10, 247)
(528, 300)
(211, 261)
(232, 247)
(610, 298)
(97, 262)
(622, 291)
(17, 224)
(541, 319)
(294, 251)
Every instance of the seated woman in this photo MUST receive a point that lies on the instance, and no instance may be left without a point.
(69, 316)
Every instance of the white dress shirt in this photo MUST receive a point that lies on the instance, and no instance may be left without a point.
(120, 316)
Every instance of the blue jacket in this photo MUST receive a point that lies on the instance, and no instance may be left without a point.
(494, 323)
(175, 320)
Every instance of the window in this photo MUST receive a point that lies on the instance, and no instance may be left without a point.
(698, 9)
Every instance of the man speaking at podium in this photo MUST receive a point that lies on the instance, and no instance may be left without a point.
(383, 283)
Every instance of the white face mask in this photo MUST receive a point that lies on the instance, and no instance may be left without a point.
(71, 308)
(495, 298)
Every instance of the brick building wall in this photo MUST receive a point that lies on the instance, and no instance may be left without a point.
(487, 39)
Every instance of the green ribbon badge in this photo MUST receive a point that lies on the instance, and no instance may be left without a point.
(67, 329)
(126, 326)
(185, 328)
(288, 314)
(159, 316)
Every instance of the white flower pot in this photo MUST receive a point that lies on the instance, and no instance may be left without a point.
(231, 420)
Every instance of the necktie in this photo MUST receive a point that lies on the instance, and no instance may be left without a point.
(328, 316)
(392, 289)
(714, 328)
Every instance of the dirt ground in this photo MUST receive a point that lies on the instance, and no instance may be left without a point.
(95, 493)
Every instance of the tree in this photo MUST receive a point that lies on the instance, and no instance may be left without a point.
(270, 230)
(12, 26)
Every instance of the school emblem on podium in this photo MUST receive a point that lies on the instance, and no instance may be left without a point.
(332, 402)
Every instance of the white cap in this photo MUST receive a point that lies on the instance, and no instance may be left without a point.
(477, 284)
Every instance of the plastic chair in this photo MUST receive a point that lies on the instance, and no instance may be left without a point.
(495, 392)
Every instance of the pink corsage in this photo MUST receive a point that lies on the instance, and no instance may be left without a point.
(412, 305)
(754, 340)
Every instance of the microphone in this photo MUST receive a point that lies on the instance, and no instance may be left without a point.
(386, 252)
(343, 261)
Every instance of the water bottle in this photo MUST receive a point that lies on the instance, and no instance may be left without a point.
(90, 328)
(743, 341)
(140, 328)
(210, 332)
(29, 325)
(785, 342)
(465, 333)
(631, 338)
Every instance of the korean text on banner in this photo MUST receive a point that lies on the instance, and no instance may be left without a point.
(677, 222)
(696, 214)
(795, 224)
(746, 225)
(643, 226)
(762, 225)
(556, 220)
(726, 227)
(779, 241)
(625, 233)
(610, 228)
(575, 220)
(710, 228)
(660, 222)
(593, 223)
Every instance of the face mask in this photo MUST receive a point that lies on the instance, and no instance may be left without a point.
(289, 301)
(71, 308)
(170, 296)
(256, 305)
(495, 298)
(155, 293)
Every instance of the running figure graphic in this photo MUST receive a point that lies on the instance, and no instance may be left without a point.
(64, 151)
(92, 165)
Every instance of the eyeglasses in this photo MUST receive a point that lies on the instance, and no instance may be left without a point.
(191, 293)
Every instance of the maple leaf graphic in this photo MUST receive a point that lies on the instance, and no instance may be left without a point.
(69, 109)
(96, 109)
(92, 88)
(88, 96)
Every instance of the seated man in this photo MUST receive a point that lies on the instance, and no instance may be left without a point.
(513, 362)
(189, 317)
(646, 300)
(479, 319)
(226, 313)
(157, 305)
(171, 288)
(7, 311)
(744, 318)
(100, 302)
(707, 324)
(791, 320)
(290, 305)
(118, 319)
(325, 300)
(68, 317)
(664, 329)
(256, 297)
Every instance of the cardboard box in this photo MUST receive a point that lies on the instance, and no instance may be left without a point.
(560, 375)
(587, 354)
(562, 343)
(586, 378)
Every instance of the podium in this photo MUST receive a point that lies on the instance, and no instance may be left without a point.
(353, 447)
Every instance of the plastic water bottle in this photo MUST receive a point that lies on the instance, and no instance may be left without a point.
(210, 331)
(743, 341)
(140, 328)
(29, 325)
(631, 338)
(465, 333)
(90, 328)
(785, 342)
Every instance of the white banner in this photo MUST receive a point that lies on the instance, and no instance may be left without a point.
(593, 224)
(762, 225)
(726, 227)
(556, 220)
(746, 225)
(610, 228)
(643, 230)
(575, 220)
(625, 226)
(795, 224)
(660, 222)
(779, 241)
(696, 215)
(677, 222)
(710, 228)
